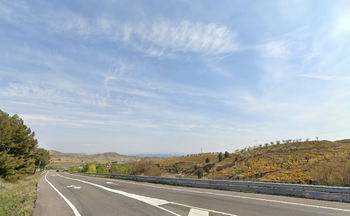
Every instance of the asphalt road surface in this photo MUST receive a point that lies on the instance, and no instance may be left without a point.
(67, 194)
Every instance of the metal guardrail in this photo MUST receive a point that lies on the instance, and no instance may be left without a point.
(309, 191)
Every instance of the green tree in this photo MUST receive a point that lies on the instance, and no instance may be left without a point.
(17, 146)
(207, 160)
(41, 156)
(220, 157)
(227, 154)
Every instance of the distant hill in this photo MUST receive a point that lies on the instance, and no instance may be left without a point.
(154, 155)
(60, 160)
(290, 161)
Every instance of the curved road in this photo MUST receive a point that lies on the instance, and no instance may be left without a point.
(67, 194)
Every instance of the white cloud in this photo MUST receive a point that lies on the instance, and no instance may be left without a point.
(186, 36)
(171, 36)
(324, 77)
(277, 49)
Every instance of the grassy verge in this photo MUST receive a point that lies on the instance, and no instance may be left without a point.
(18, 198)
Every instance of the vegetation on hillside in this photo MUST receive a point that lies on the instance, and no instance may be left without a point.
(289, 161)
(144, 166)
(19, 152)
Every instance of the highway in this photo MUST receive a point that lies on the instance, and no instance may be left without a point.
(67, 194)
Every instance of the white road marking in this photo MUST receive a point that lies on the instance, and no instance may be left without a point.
(111, 183)
(151, 201)
(234, 196)
(73, 187)
(197, 212)
(75, 211)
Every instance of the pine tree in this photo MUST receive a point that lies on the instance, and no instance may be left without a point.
(17, 145)
(42, 157)
(220, 157)
(227, 154)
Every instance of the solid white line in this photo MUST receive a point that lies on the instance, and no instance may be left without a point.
(234, 196)
(151, 201)
(75, 211)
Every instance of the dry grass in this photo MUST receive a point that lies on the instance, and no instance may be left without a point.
(18, 198)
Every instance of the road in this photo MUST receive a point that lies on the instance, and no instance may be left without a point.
(67, 194)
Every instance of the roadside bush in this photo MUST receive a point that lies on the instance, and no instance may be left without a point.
(74, 169)
(145, 166)
(91, 168)
(119, 169)
(101, 168)
(335, 172)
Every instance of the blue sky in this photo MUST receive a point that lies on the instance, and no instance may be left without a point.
(175, 76)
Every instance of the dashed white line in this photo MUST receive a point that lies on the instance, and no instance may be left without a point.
(197, 212)
(111, 183)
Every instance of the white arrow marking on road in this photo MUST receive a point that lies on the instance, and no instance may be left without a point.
(151, 201)
(73, 186)
(197, 212)
(111, 183)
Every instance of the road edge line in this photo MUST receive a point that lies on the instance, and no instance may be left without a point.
(74, 209)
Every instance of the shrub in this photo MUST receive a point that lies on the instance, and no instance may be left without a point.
(101, 168)
(200, 173)
(119, 169)
(219, 176)
(207, 160)
(91, 168)
(145, 166)
(335, 172)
